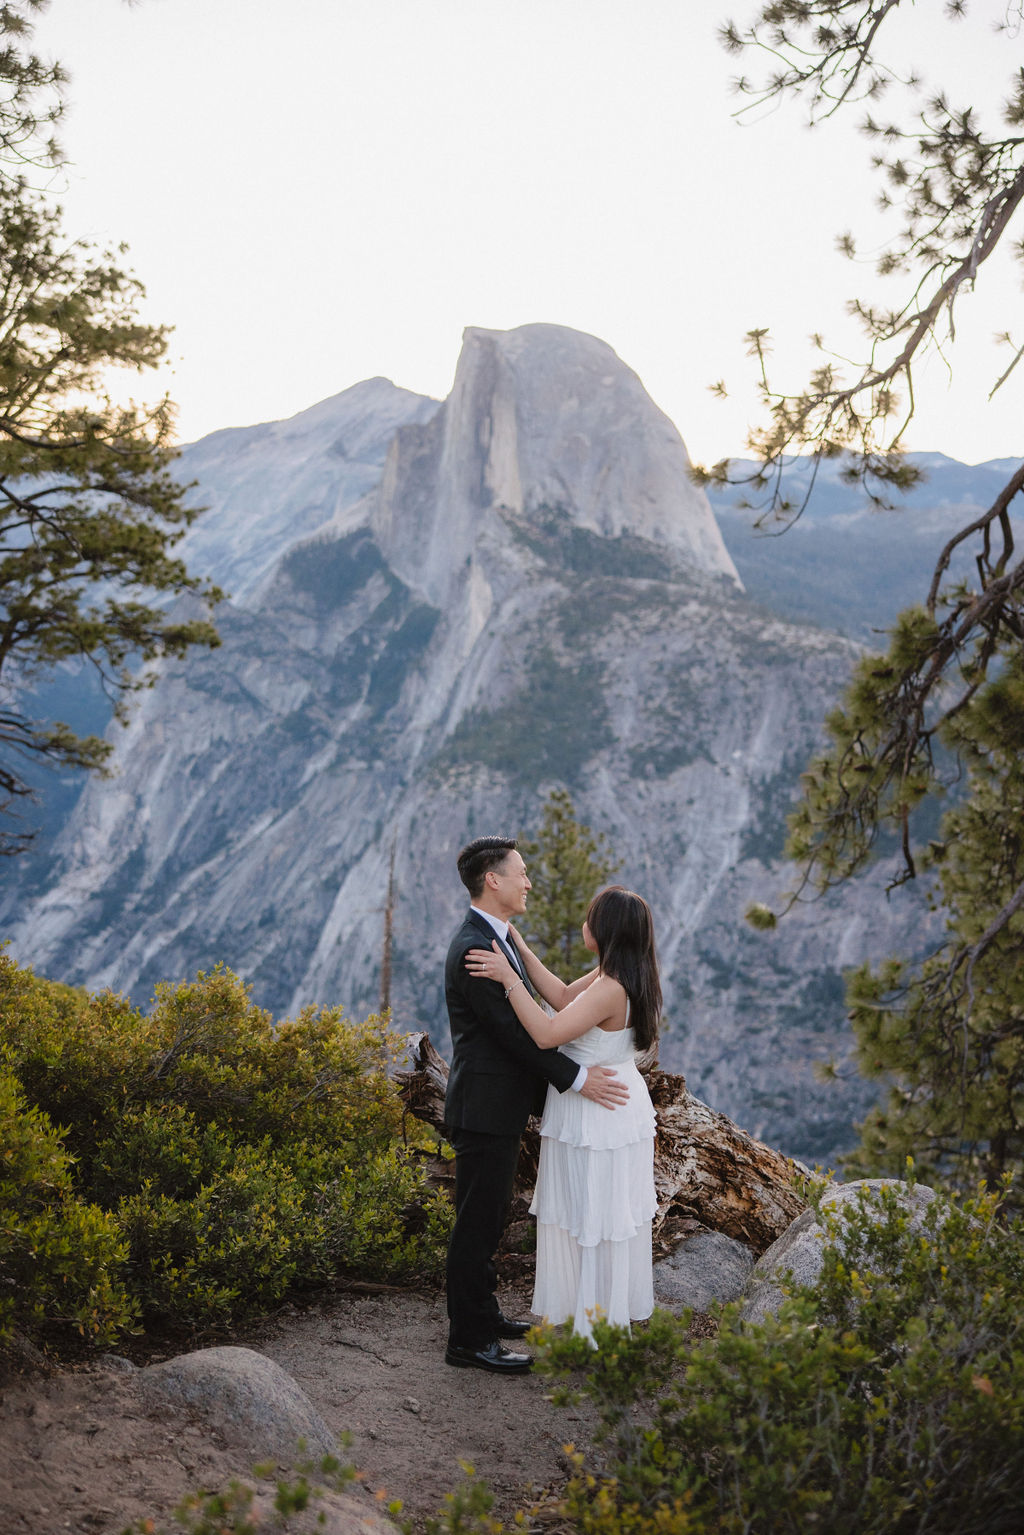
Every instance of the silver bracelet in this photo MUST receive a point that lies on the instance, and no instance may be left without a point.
(510, 989)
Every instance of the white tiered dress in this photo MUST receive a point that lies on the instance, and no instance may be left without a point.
(594, 1200)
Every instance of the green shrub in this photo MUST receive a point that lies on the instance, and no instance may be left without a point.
(160, 1149)
(889, 1398)
(379, 1220)
(61, 1261)
(75, 1055)
(467, 1511)
(230, 1251)
(238, 1158)
(319, 1075)
(91, 1060)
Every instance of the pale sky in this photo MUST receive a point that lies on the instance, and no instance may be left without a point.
(318, 191)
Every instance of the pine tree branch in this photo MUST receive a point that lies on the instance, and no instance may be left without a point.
(988, 937)
(997, 511)
(1001, 380)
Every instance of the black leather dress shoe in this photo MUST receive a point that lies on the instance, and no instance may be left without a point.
(491, 1357)
(509, 1329)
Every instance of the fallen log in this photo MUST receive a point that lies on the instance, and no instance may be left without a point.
(708, 1173)
(709, 1170)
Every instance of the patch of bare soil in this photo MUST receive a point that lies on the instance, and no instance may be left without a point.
(78, 1453)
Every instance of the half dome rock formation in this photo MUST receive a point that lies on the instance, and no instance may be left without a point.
(440, 613)
(540, 420)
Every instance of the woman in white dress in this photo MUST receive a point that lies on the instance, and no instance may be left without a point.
(595, 1199)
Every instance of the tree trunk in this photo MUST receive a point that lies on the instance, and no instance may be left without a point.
(707, 1171)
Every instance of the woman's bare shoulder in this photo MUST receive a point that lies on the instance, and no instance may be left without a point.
(613, 998)
(609, 984)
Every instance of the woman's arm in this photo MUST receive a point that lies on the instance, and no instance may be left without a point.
(599, 1002)
(556, 993)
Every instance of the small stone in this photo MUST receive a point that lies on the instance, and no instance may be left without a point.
(116, 1364)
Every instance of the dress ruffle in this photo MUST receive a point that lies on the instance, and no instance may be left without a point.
(596, 1194)
(613, 1279)
(574, 1119)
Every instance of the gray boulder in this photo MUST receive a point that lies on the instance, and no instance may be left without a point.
(705, 1268)
(242, 1396)
(798, 1255)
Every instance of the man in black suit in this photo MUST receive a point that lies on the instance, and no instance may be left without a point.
(498, 1079)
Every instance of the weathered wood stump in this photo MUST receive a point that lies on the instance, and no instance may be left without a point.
(708, 1173)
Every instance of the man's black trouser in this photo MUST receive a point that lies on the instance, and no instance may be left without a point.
(485, 1167)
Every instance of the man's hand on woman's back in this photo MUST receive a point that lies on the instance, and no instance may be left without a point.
(604, 1087)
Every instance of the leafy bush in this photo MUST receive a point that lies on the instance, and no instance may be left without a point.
(318, 1076)
(236, 1157)
(74, 1054)
(378, 1220)
(61, 1261)
(160, 1149)
(889, 1398)
(467, 1511)
(87, 1060)
(231, 1250)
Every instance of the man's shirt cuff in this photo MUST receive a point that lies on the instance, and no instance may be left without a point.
(581, 1077)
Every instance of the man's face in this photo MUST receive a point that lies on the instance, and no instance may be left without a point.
(510, 885)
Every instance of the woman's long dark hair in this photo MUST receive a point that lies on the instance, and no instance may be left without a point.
(621, 925)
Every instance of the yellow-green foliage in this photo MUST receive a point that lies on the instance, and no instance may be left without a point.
(234, 1246)
(60, 1259)
(235, 1157)
(885, 1400)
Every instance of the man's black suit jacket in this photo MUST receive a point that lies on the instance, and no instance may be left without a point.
(498, 1074)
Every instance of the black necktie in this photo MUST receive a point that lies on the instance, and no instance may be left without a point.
(513, 954)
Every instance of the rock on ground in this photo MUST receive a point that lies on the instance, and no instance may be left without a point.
(705, 1268)
(243, 1397)
(799, 1251)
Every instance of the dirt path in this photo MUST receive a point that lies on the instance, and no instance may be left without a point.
(78, 1454)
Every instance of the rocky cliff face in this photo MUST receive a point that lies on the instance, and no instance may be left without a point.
(529, 592)
(266, 487)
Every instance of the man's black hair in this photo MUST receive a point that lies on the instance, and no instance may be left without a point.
(478, 856)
